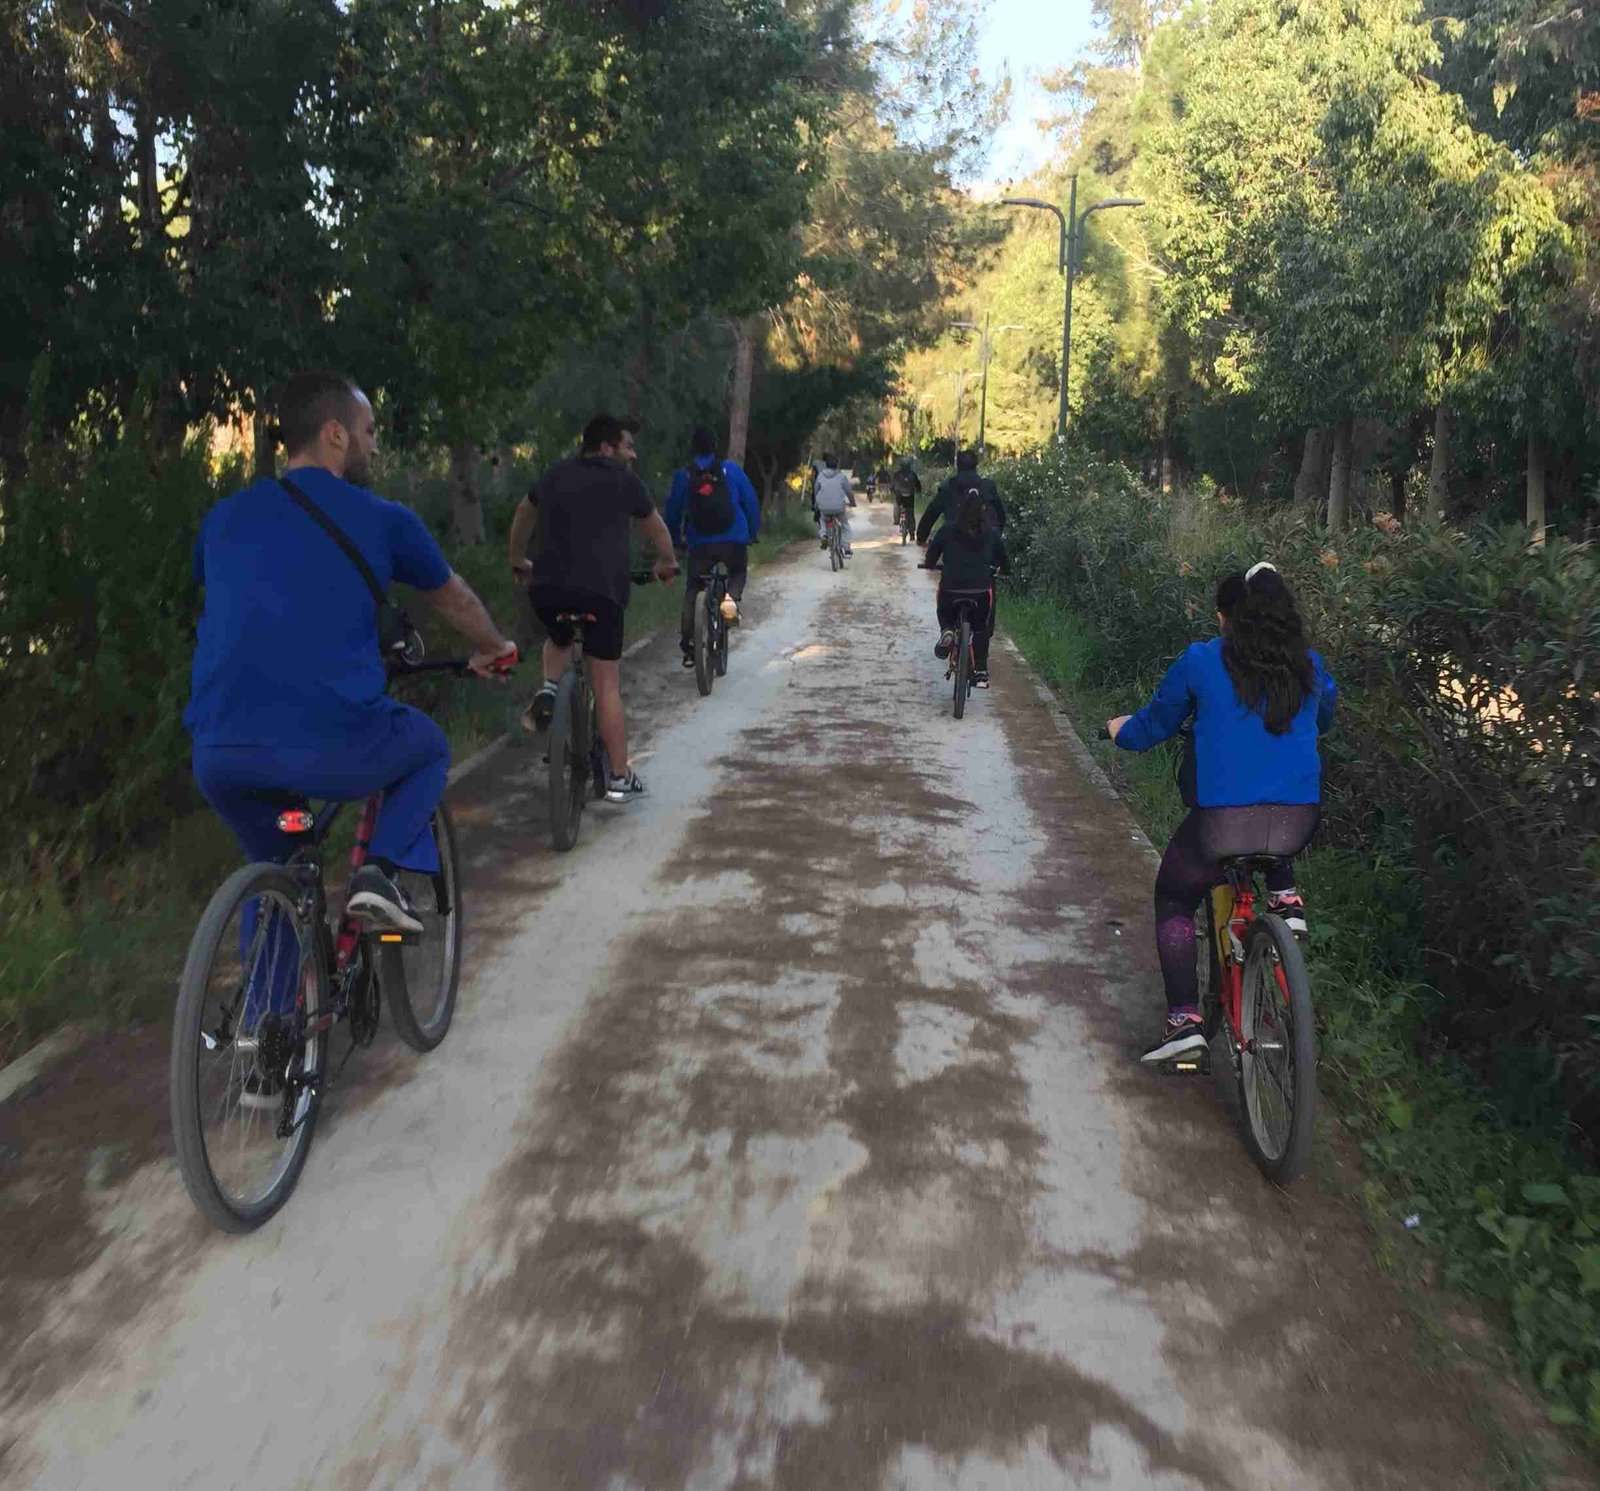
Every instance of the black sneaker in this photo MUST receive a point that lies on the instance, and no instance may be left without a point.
(687, 648)
(542, 709)
(1183, 1035)
(376, 899)
(624, 789)
(941, 648)
(980, 678)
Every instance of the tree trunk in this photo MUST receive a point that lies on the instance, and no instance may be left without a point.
(1169, 417)
(1536, 486)
(262, 455)
(744, 372)
(1312, 480)
(1339, 477)
(465, 504)
(1439, 471)
(1397, 493)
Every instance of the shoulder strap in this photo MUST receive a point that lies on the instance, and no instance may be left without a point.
(337, 534)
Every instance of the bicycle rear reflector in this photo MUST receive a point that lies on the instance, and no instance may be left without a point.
(296, 821)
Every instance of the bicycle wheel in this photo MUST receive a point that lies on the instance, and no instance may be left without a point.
(1278, 1064)
(835, 552)
(705, 667)
(569, 761)
(721, 646)
(420, 978)
(245, 1086)
(963, 667)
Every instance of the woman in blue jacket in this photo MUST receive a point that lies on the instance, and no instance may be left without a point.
(1259, 698)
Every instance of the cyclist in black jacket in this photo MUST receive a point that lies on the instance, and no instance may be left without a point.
(973, 553)
(966, 479)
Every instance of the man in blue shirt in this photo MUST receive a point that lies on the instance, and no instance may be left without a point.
(713, 506)
(287, 694)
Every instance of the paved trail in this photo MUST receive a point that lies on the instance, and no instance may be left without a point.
(788, 1136)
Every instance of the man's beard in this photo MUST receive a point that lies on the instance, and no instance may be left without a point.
(358, 470)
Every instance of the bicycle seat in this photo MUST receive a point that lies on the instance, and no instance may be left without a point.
(1250, 862)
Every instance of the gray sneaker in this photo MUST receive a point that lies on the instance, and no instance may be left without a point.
(377, 900)
(624, 789)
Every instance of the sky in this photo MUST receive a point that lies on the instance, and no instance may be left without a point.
(1030, 37)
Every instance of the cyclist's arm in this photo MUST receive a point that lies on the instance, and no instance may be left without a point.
(1002, 557)
(999, 508)
(458, 603)
(654, 528)
(523, 522)
(935, 549)
(930, 516)
(744, 492)
(1327, 697)
(1161, 718)
(677, 502)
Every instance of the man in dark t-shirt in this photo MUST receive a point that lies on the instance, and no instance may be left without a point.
(581, 515)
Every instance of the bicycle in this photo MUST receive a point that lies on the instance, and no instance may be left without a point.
(577, 758)
(907, 527)
(1254, 987)
(835, 528)
(711, 631)
(963, 660)
(268, 975)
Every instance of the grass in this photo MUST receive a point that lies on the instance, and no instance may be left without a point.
(103, 942)
(1458, 1191)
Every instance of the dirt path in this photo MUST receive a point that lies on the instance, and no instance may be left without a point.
(788, 1136)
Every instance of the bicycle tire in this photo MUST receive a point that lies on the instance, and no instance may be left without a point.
(1270, 951)
(705, 668)
(963, 668)
(400, 968)
(720, 648)
(569, 763)
(209, 1192)
(835, 556)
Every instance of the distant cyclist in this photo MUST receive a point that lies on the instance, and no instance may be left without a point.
(713, 509)
(581, 515)
(972, 553)
(1259, 698)
(287, 696)
(965, 479)
(907, 487)
(832, 497)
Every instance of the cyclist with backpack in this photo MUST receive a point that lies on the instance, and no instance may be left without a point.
(907, 487)
(712, 509)
(830, 498)
(966, 479)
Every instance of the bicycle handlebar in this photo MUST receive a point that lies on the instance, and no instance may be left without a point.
(459, 667)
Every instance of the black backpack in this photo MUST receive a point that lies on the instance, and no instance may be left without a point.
(710, 501)
(903, 484)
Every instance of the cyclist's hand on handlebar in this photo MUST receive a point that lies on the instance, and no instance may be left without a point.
(496, 664)
(665, 570)
(1113, 728)
(522, 569)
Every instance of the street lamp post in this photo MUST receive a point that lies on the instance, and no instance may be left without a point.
(1069, 258)
(986, 348)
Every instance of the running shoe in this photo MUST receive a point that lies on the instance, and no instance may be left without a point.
(1183, 1035)
(541, 710)
(624, 789)
(941, 648)
(376, 899)
(1291, 906)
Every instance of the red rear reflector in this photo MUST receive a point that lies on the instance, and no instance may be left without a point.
(296, 821)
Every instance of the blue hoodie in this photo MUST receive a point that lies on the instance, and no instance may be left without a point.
(1238, 761)
(746, 525)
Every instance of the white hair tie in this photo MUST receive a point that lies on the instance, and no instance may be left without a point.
(1255, 569)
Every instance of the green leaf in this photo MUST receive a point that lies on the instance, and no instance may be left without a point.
(1544, 1193)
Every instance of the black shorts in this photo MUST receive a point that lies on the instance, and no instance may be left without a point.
(602, 637)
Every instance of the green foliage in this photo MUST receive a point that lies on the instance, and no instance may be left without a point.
(1456, 887)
